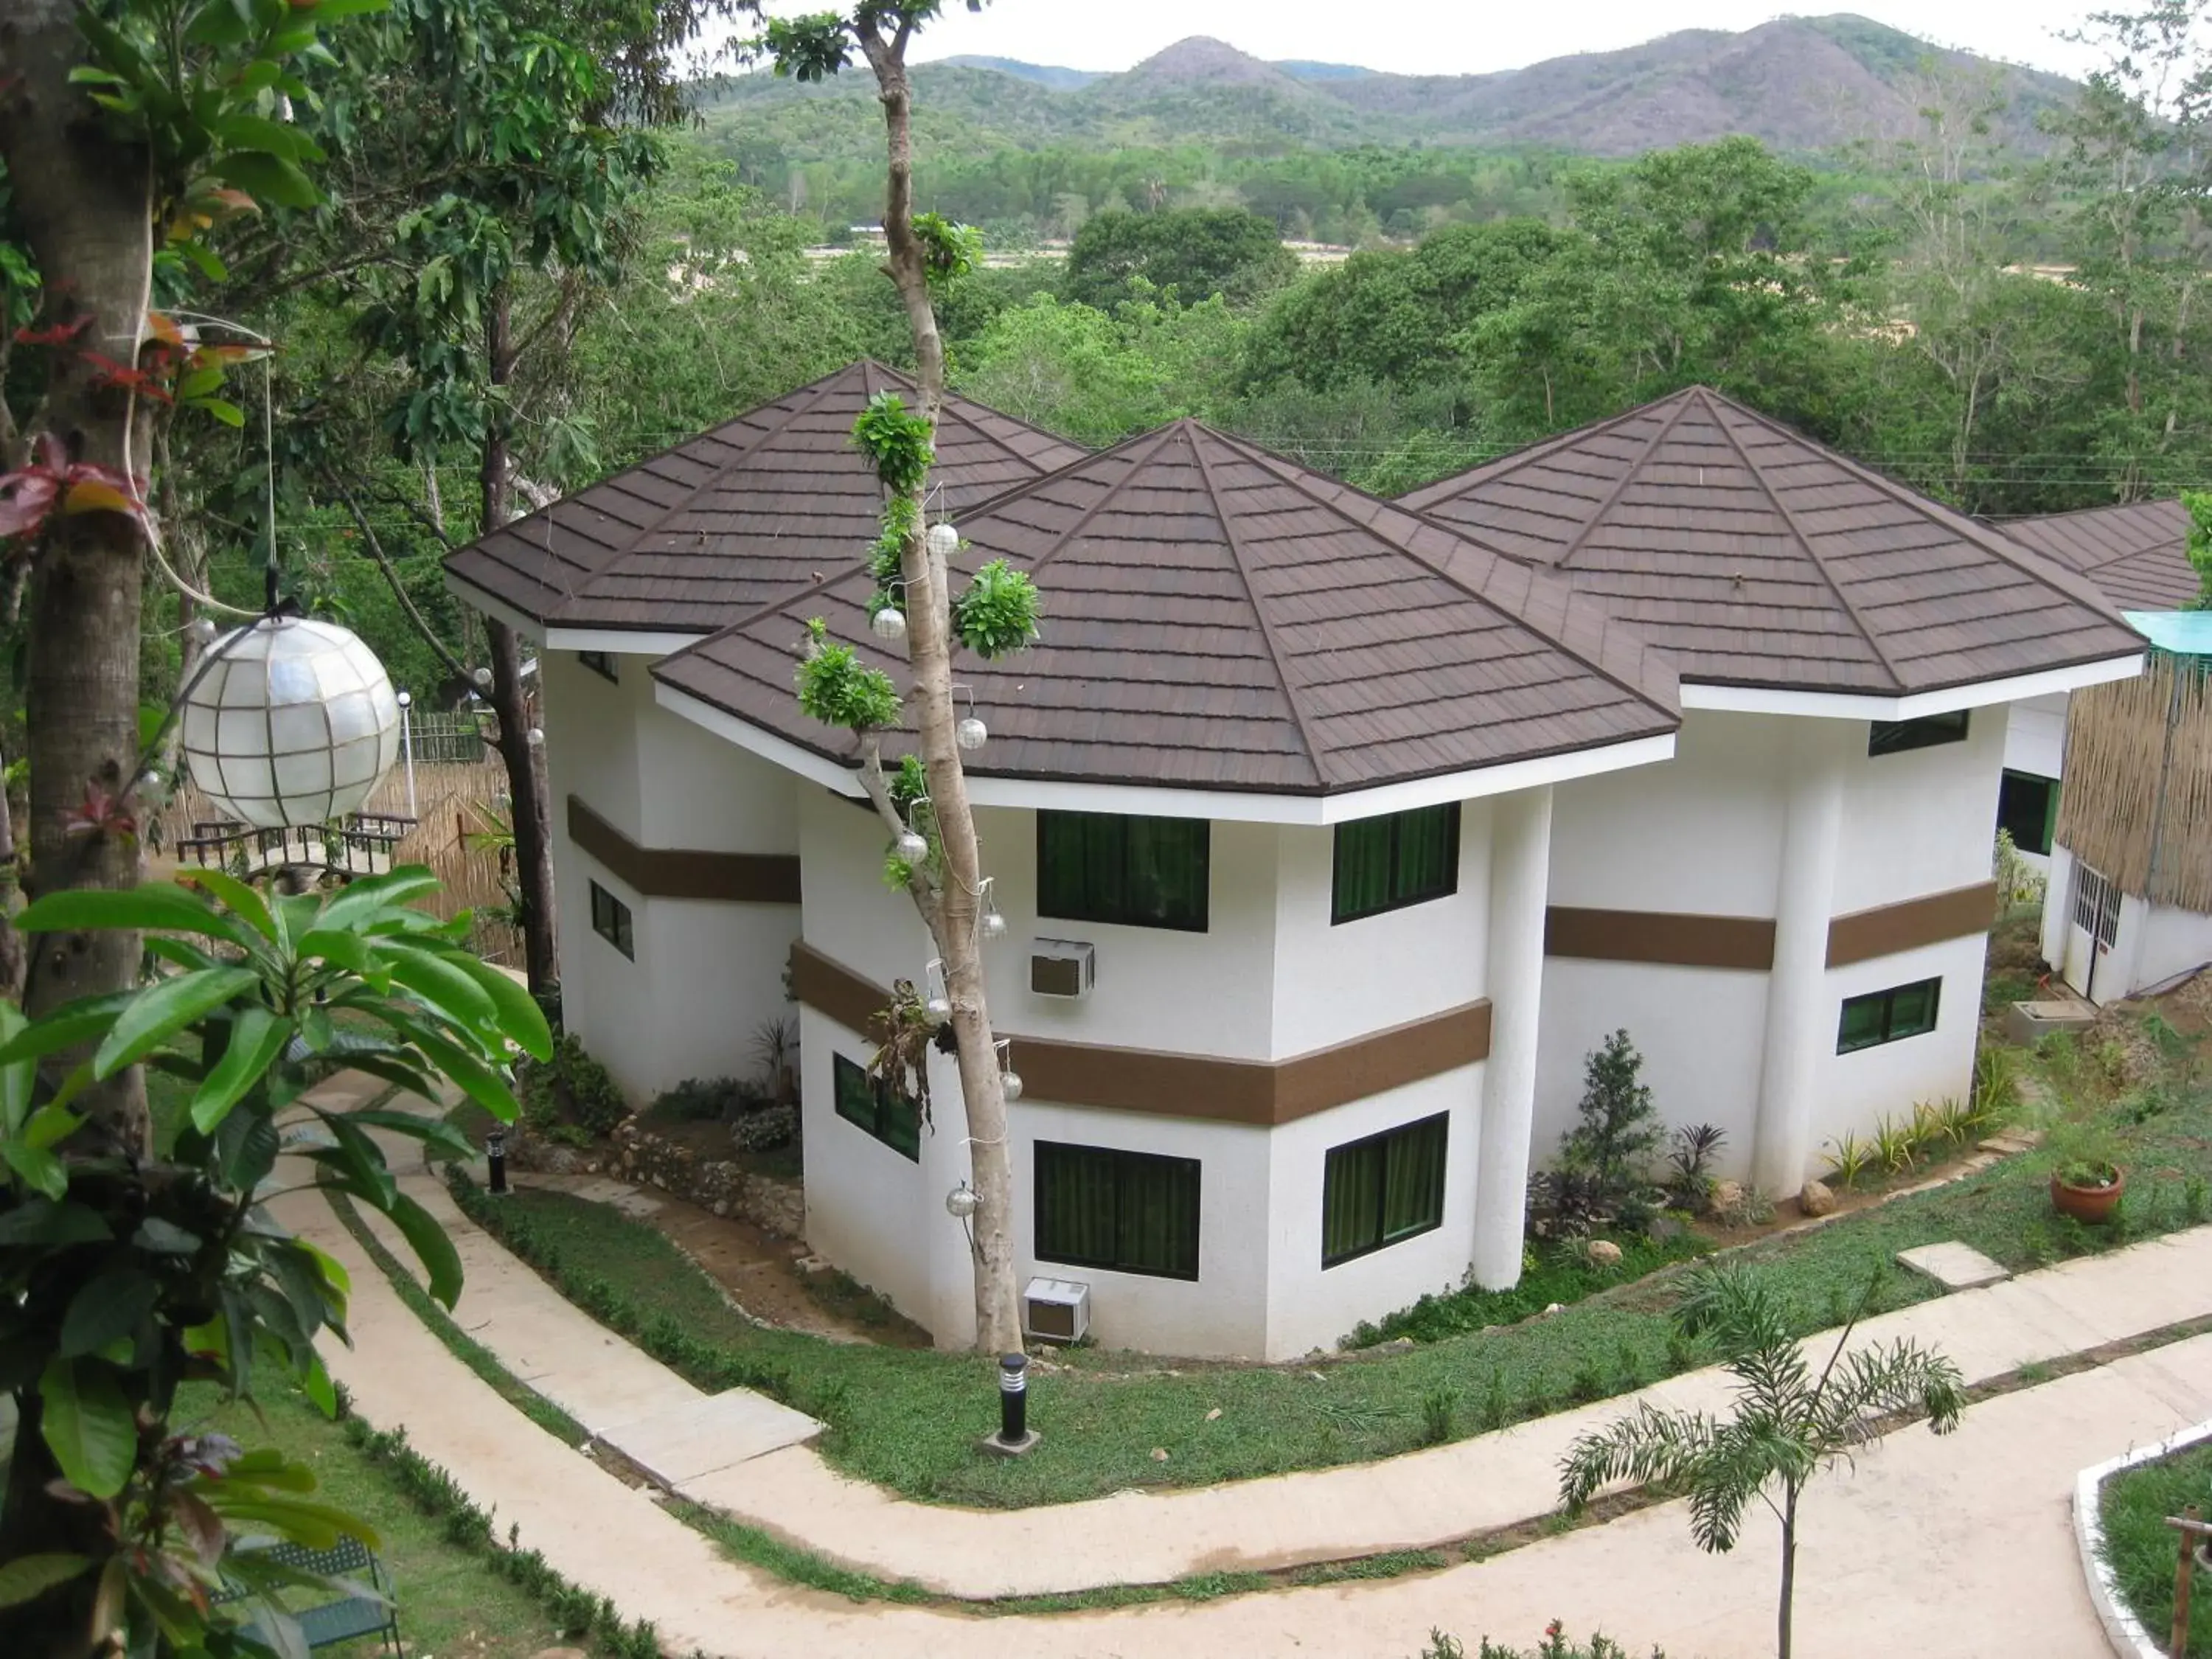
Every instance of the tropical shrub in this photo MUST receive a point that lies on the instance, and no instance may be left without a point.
(128, 1268)
(571, 1088)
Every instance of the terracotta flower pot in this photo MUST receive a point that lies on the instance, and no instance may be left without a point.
(2091, 1204)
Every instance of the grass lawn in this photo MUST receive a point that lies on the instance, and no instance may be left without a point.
(452, 1605)
(2140, 1547)
(907, 1421)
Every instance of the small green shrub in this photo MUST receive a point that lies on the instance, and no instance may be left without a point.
(1439, 1414)
(1850, 1158)
(764, 1131)
(1555, 1644)
(572, 1090)
(702, 1100)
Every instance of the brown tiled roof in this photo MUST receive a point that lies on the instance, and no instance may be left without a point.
(693, 538)
(2137, 556)
(1756, 557)
(1216, 617)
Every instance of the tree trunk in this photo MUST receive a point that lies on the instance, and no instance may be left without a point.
(1789, 1575)
(997, 1313)
(525, 761)
(84, 202)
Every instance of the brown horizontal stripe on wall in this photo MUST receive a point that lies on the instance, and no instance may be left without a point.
(1888, 928)
(672, 873)
(1677, 939)
(1254, 1091)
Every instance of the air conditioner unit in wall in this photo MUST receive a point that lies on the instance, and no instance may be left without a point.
(1056, 1309)
(1062, 968)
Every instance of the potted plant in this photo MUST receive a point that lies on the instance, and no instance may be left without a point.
(2086, 1183)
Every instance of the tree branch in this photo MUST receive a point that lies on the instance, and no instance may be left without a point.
(399, 589)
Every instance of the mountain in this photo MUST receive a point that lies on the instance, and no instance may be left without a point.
(1044, 75)
(1801, 84)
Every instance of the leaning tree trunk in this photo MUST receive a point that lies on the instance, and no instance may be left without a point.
(997, 1313)
(84, 200)
(525, 761)
(1781, 1616)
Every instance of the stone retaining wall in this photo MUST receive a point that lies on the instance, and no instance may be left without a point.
(721, 1185)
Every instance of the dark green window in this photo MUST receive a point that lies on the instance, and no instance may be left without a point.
(1895, 736)
(2027, 809)
(875, 1106)
(1385, 1188)
(1130, 1212)
(1141, 872)
(1406, 858)
(601, 663)
(1881, 1017)
(611, 922)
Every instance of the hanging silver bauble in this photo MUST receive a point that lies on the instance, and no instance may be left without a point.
(970, 733)
(938, 1007)
(944, 540)
(1010, 1083)
(482, 678)
(960, 1203)
(887, 624)
(294, 722)
(912, 847)
(994, 925)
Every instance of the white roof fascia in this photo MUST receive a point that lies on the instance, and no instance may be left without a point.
(1151, 801)
(498, 610)
(617, 641)
(817, 768)
(620, 641)
(1847, 705)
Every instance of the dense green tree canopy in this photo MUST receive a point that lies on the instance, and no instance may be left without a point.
(1189, 253)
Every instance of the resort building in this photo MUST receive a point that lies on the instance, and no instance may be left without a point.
(1327, 835)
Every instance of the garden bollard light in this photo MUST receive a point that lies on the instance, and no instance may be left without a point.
(495, 1157)
(1013, 1399)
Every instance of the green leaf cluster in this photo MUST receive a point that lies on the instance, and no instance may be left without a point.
(897, 441)
(948, 250)
(836, 688)
(998, 613)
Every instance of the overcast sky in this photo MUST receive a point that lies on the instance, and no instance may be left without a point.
(1457, 37)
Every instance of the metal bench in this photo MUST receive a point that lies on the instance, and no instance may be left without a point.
(327, 1623)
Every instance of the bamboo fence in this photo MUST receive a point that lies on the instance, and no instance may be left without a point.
(452, 803)
(2137, 802)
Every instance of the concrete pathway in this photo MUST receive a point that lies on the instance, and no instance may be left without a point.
(1419, 1500)
(1952, 1548)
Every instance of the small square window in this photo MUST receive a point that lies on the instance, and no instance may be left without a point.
(1880, 1017)
(872, 1105)
(1895, 736)
(1131, 1212)
(1136, 871)
(1382, 1189)
(1387, 863)
(604, 664)
(611, 922)
(2027, 810)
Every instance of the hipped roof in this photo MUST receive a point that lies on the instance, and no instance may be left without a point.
(1757, 557)
(2137, 556)
(703, 534)
(1215, 617)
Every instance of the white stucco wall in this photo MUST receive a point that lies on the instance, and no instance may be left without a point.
(1700, 1030)
(1335, 982)
(1699, 834)
(866, 1205)
(1921, 822)
(1311, 1306)
(2035, 736)
(707, 973)
(2156, 942)
(1857, 1089)
(850, 916)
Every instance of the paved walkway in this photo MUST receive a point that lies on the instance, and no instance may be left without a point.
(1956, 1548)
(1420, 1500)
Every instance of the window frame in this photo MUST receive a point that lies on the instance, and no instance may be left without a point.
(886, 1100)
(619, 925)
(604, 664)
(1927, 731)
(1339, 1158)
(1117, 1159)
(1397, 901)
(1888, 998)
(1051, 907)
(2051, 788)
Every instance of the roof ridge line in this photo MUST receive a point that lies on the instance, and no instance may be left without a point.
(1000, 443)
(1014, 492)
(1536, 574)
(1083, 519)
(1620, 485)
(1535, 449)
(1858, 621)
(1259, 611)
(820, 390)
(1989, 539)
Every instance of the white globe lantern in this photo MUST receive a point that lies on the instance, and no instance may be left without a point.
(943, 539)
(971, 734)
(1010, 1083)
(293, 723)
(887, 624)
